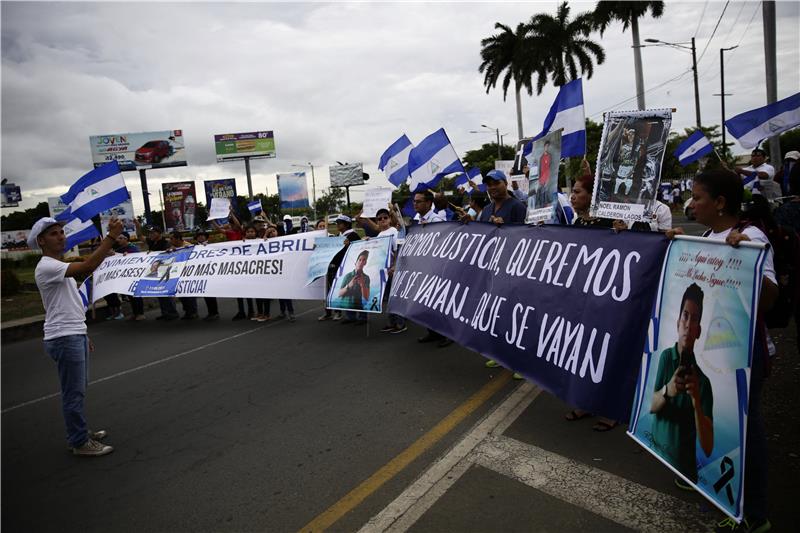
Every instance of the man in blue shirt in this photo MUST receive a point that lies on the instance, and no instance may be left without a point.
(504, 208)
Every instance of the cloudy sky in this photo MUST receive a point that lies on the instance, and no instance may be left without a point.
(335, 82)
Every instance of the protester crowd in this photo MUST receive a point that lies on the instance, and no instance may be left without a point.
(718, 197)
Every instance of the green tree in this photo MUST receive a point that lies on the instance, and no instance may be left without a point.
(330, 202)
(563, 46)
(24, 219)
(485, 156)
(790, 140)
(509, 54)
(628, 13)
(671, 169)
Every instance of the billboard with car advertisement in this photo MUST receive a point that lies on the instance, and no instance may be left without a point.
(151, 149)
(180, 205)
(252, 144)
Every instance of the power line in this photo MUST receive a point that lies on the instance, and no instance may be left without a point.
(671, 80)
(700, 20)
(714, 32)
(733, 26)
(736, 49)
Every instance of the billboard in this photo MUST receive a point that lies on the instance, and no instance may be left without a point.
(346, 175)
(293, 190)
(224, 188)
(15, 240)
(11, 195)
(240, 145)
(56, 206)
(180, 202)
(150, 149)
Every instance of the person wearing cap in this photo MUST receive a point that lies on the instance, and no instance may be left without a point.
(201, 239)
(782, 176)
(157, 243)
(503, 208)
(285, 228)
(345, 226)
(65, 334)
(260, 223)
(189, 303)
(764, 171)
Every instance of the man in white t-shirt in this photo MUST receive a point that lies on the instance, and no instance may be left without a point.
(65, 339)
(759, 165)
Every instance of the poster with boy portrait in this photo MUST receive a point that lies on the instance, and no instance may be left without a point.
(361, 278)
(629, 164)
(543, 162)
(690, 406)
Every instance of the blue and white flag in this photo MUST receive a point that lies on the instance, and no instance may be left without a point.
(85, 292)
(693, 148)
(394, 161)
(566, 114)
(751, 182)
(96, 191)
(254, 207)
(564, 212)
(752, 127)
(431, 160)
(78, 231)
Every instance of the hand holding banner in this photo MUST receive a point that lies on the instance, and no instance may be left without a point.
(220, 209)
(375, 199)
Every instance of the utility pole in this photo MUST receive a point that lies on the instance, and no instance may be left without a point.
(696, 86)
(249, 181)
(722, 94)
(768, 13)
(145, 195)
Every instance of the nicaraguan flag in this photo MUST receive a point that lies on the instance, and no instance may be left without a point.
(751, 181)
(254, 207)
(85, 292)
(431, 160)
(78, 231)
(752, 127)
(408, 208)
(564, 212)
(394, 161)
(693, 148)
(472, 175)
(97, 191)
(566, 114)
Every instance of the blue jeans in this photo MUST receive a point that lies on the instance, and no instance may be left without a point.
(71, 354)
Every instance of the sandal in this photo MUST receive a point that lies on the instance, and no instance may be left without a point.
(577, 414)
(602, 426)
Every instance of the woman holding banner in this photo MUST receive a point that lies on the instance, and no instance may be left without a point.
(717, 199)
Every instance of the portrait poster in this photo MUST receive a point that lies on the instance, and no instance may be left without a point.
(690, 405)
(543, 163)
(628, 169)
(361, 279)
(161, 276)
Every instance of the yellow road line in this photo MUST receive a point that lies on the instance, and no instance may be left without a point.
(353, 498)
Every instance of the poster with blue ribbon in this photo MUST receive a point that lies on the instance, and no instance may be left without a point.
(161, 276)
(690, 408)
(361, 278)
(566, 307)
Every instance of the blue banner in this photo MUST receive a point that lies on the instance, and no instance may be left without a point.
(691, 400)
(566, 307)
(161, 277)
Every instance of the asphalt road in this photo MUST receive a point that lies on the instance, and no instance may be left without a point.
(241, 426)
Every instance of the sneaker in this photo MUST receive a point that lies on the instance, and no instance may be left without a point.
(92, 448)
(400, 329)
(120, 316)
(190, 316)
(387, 329)
(337, 316)
(255, 318)
(291, 317)
(491, 363)
(325, 317)
(211, 318)
(100, 434)
(239, 316)
(681, 484)
(729, 525)
(262, 318)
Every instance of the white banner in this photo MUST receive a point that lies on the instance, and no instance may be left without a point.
(256, 268)
(375, 199)
(220, 209)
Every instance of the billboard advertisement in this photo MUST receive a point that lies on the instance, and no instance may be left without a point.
(223, 188)
(15, 240)
(293, 190)
(150, 149)
(180, 203)
(11, 195)
(346, 175)
(240, 145)
(56, 206)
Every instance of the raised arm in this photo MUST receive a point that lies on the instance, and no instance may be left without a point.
(87, 266)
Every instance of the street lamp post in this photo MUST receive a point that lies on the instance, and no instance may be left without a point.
(694, 71)
(722, 94)
(497, 132)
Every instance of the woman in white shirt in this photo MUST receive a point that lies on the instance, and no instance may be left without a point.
(717, 199)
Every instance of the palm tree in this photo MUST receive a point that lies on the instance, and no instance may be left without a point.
(564, 45)
(629, 14)
(509, 51)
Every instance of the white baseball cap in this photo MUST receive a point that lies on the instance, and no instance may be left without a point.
(287, 217)
(794, 154)
(344, 218)
(38, 228)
